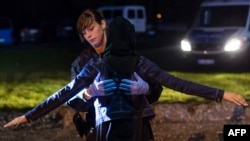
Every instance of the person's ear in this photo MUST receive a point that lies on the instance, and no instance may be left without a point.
(103, 24)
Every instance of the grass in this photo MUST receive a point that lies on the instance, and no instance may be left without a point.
(237, 82)
(30, 73)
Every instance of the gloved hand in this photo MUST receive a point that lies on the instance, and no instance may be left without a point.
(134, 87)
(101, 87)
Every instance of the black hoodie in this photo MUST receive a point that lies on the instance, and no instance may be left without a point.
(119, 55)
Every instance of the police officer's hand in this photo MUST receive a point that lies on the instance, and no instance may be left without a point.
(235, 98)
(101, 87)
(17, 121)
(134, 87)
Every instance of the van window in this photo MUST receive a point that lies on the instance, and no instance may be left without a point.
(139, 14)
(131, 14)
(221, 16)
(117, 13)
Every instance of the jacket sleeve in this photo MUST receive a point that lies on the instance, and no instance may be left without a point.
(155, 74)
(83, 80)
(75, 102)
(76, 66)
(79, 103)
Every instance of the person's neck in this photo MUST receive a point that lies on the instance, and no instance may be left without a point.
(99, 50)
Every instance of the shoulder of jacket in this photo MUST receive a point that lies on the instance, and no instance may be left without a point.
(84, 57)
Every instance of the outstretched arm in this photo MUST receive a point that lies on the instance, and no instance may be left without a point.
(156, 74)
(17, 121)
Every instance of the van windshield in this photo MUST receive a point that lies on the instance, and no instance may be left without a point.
(222, 16)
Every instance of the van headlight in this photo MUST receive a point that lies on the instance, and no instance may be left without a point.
(233, 45)
(185, 45)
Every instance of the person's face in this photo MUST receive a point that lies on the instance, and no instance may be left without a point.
(95, 34)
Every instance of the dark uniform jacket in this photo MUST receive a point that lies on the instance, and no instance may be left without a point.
(120, 46)
(88, 53)
(138, 106)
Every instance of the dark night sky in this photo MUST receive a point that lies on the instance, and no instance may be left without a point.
(25, 11)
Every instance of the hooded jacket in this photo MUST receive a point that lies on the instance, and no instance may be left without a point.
(119, 105)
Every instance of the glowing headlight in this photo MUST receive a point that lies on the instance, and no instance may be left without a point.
(232, 45)
(185, 45)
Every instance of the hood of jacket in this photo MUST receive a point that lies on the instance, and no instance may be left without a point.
(119, 54)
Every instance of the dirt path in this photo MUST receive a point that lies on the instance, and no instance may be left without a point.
(186, 122)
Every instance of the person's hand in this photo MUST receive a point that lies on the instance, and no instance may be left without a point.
(235, 98)
(134, 87)
(101, 87)
(17, 121)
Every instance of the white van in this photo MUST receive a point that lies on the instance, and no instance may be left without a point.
(136, 14)
(220, 34)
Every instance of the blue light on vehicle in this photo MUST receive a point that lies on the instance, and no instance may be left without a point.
(185, 45)
(233, 45)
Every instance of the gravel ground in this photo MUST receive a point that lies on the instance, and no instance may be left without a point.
(57, 125)
(53, 131)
